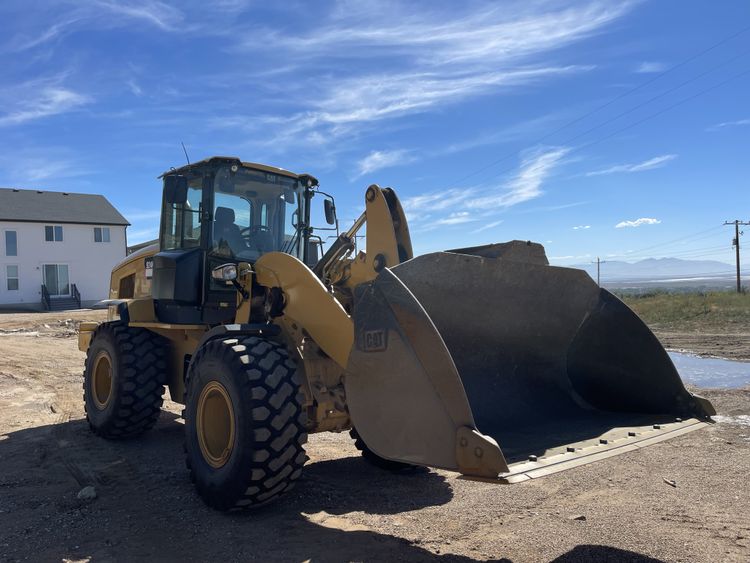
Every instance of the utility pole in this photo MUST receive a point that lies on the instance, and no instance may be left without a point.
(736, 244)
(598, 269)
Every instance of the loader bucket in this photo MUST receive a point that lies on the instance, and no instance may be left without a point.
(555, 370)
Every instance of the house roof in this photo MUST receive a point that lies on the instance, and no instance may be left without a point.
(57, 207)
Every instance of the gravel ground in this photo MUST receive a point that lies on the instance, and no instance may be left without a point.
(620, 509)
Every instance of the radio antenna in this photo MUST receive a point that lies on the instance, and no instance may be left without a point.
(186, 155)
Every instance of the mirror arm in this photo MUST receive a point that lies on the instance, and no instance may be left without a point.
(242, 291)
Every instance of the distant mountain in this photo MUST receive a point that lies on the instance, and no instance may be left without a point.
(658, 268)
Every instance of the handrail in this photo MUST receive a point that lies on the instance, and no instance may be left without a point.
(45, 298)
(76, 294)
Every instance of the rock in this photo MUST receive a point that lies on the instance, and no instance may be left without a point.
(87, 493)
(579, 517)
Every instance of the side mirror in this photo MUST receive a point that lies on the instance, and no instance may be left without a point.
(330, 211)
(225, 272)
(175, 189)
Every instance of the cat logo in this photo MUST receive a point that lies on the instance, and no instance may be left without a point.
(375, 340)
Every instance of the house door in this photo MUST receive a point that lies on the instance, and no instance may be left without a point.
(56, 280)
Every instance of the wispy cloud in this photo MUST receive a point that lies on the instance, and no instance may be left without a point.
(481, 202)
(457, 218)
(488, 226)
(438, 201)
(527, 185)
(581, 227)
(637, 222)
(377, 160)
(48, 100)
(66, 18)
(159, 14)
(650, 67)
(650, 164)
(417, 64)
(723, 124)
(433, 38)
(47, 167)
(349, 105)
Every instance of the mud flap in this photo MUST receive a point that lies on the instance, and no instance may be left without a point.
(404, 393)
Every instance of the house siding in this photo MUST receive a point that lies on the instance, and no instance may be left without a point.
(89, 263)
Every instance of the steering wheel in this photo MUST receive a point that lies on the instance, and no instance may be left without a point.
(251, 235)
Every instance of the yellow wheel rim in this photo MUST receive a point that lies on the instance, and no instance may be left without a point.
(101, 381)
(215, 424)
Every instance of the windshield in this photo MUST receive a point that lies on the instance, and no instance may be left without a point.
(255, 212)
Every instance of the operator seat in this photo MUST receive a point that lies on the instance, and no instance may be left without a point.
(225, 231)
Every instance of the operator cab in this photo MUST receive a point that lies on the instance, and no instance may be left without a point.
(222, 210)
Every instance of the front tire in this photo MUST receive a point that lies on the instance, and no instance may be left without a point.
(244, 422)
(123, 380)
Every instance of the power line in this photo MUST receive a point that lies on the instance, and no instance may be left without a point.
(654, 98)
(684, 253)
(668, 243)
(610, 102)
(664, 110)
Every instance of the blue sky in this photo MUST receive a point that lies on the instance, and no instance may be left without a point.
(486, 117)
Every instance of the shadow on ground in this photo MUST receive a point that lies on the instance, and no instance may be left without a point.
(147, 509)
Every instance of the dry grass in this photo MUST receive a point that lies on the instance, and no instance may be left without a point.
(689, 311)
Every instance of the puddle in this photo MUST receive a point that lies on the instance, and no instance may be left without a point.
(711, 372)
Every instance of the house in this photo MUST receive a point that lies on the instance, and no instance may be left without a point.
(57, 249)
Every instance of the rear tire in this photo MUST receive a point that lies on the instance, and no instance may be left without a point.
(374, 459)
(123, 380)
(244, 422)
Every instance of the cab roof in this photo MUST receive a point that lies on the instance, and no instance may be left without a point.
(234, 160)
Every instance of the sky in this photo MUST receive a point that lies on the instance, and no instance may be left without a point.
(616, 130)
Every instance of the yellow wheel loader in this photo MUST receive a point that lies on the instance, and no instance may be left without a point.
(486, 361)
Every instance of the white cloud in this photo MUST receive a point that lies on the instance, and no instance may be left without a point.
(33, 103)
(382, 159)
(434, 38)
(478, 203)
(159, 14)
(64, 18)
(527, 184)
(650, 164)
(437, 201)
(134, 87)
(487, 226)
(349, 104)
(723, 124)
(650, 67)
(637, 222)
(581, 227)
(457, 218)
(431, 59)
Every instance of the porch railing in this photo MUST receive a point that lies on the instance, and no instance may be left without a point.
(45, 298)
(76, 294)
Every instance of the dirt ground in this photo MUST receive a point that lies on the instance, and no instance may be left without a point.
(620, 509)
(731, 345)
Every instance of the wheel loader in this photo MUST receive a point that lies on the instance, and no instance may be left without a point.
(486, 361)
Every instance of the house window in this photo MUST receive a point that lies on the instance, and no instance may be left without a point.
(53, 233)
(12, 277)
(101, 234)
(11, 243)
